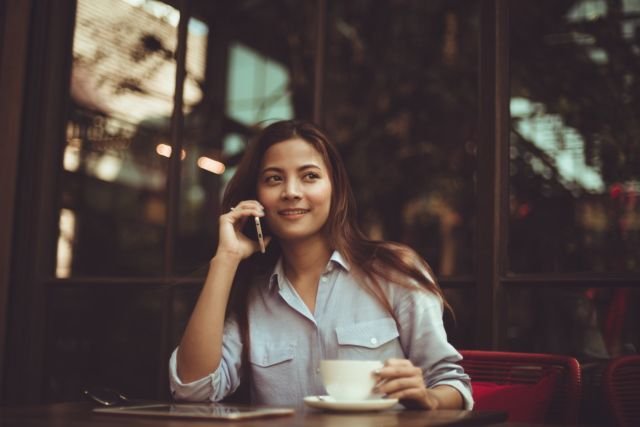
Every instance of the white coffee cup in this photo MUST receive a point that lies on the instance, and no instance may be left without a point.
(349, 379)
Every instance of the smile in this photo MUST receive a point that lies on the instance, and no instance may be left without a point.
(291, 212)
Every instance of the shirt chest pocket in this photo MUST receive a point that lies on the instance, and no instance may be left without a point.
(272, 365)
(268, 354)
(372, 340)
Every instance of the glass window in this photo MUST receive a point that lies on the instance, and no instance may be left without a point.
(104, 336)
(588, 323)
(575, 159)
(401, 100)
(460, 324)
(112, 193)
(257, 69)
(201, 164)
(258, 88)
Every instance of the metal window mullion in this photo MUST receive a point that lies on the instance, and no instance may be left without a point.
(492, 168)
(177, 125)
(319, 61)
(173, 194)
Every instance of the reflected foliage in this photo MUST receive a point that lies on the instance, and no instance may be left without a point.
(401, 100)
(575, 169)
(259, 62)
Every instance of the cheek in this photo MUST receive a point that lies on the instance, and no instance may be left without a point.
(266, 197)
(321, 195)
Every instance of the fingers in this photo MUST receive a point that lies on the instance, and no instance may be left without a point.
(394, 384)
(245, 209)
(399, 379)
(231, 238)
(395, 368)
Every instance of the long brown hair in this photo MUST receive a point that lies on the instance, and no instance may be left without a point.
(375, 261)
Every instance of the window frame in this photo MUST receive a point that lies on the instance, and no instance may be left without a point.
(29, 284)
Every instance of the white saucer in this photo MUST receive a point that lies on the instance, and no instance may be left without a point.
(328, 402)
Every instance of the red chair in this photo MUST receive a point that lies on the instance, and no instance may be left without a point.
(621, 385)
(532, 387)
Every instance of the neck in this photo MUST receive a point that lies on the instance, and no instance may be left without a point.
(305, 258)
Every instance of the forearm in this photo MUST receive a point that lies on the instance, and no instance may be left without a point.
(200, 349)
(448, 397)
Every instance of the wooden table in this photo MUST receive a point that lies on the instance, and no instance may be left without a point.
(80, 414)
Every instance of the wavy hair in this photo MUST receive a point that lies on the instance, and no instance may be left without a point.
(374, 261)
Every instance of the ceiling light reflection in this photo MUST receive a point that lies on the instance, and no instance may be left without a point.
(211, 165)
(165, 151)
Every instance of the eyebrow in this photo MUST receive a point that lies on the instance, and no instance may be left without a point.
(300, 169)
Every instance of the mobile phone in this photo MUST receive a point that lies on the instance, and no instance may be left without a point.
(260, 236)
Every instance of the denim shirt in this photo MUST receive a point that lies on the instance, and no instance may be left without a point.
(288, 341)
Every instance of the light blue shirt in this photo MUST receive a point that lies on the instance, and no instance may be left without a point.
(288, 341)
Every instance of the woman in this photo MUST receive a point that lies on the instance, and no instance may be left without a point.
(321, 291)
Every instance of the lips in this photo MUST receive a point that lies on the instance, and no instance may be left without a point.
(293, 212)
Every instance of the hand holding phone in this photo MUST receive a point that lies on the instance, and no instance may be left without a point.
(259, 232)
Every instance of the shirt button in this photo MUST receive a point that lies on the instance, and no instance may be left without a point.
(374, 340)
(324, 278)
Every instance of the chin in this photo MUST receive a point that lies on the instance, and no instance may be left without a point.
(293, 236)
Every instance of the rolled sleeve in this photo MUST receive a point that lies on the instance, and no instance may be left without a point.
(195, 391)
(424, 341)
(455, 377)
(218, 384)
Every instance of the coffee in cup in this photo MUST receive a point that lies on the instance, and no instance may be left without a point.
(349, 379)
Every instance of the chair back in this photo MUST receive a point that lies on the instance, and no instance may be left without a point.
(621, 386)
(529, 368)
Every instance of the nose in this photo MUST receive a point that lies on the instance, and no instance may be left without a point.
(291, 190)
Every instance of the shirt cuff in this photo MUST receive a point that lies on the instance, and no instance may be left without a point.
(196, 391)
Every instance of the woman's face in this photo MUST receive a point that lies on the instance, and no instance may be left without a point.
(294, 186)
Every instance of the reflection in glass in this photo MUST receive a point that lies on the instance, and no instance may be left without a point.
(201, 162)
(401, 99)
(258, 88)
(114, 170)
(461, 325)
(65, 243)
(244, 62)
(587, 323)
(196, 60)
(575, 161)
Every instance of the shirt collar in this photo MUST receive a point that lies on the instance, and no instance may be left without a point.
(337, 258)
(277, 276)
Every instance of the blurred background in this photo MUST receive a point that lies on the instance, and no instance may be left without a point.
(501, 140)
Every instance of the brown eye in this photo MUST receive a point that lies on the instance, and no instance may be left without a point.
(311, 176)
(272, 179)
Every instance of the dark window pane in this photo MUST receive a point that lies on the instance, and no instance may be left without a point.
(594, 325)
(575, 158)
(401, 100)
(588, 323)
(202, 165)
(461, 323)
(104, 336)
(259, 66)
(115, 160)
